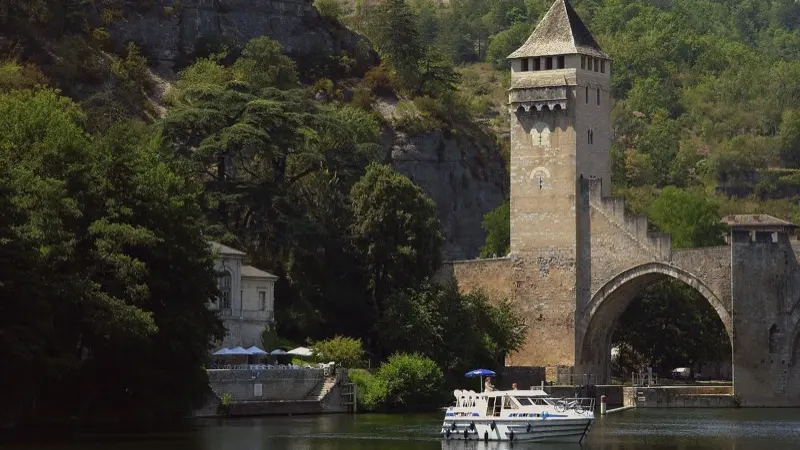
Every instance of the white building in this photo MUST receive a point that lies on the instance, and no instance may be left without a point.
(247, 297)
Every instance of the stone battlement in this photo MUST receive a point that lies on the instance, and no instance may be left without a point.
(636, 226)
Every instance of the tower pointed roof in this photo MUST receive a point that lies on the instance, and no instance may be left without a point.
(560, 32)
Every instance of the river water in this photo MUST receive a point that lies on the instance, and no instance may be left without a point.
(685, 429)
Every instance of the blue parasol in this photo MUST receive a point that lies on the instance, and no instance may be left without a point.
(480, 373)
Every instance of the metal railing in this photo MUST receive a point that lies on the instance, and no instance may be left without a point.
(575, 379)
(644, 379)
(580, 405)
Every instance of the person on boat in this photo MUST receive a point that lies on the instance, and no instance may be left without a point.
(487, 385)
(513, 386)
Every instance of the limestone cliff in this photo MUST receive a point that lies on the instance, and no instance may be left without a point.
(170, 32)
(462, 172)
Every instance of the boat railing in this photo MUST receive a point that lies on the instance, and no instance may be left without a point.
(580, 405)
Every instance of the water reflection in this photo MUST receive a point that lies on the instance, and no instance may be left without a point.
(631, 430)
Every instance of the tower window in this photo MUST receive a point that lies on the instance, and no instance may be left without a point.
(548, 63)
(598, 96)
(590, 136)
(537, 64)
(596, 65)
(587, 94)
(602, 66)
(583, 62)
(524, 65)
(561, 62)
(589, 63)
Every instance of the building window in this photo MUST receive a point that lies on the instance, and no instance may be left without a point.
(596, 65)
(589, 63)
(262, 301)
(537, 64)
(602, 66)
(583, 62)
(561, 62)
(587, 94)
(598, 96)
(224, 284)
(524, 65)
(590, 136)
(548, 63)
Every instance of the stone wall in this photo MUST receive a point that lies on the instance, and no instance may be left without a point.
(765, 298)
(276, 384)
(526, 377)
(680, 397)
(491, 275)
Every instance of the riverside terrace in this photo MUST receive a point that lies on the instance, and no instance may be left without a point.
(264, 382)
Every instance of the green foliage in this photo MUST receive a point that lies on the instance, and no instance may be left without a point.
(370, 393)
(497, 225)
(345, 351)
(330, 9)
(440, 323)
(681, 330)
(396, 231)
(262, 64)
(14, 75)
(505, 42)
(98, 229)
(691, 219)
(412, 382)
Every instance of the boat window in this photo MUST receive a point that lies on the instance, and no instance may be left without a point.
(524, 401)
(508, 403)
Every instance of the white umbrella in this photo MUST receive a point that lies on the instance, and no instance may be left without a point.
(223, 351)
(277, 351)
(301, 351)
(239, 351)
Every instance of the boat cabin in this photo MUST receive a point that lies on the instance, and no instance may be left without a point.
(495, 403)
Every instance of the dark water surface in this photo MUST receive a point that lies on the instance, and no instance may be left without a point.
(685, 429)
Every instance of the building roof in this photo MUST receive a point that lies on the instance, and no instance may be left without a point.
(754, 221)
(225, 250)
(252, 272)
(560, 32)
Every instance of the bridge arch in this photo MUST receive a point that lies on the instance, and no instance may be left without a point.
(601, 315)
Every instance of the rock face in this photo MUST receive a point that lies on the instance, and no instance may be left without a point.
(464, 175)
(171, 31)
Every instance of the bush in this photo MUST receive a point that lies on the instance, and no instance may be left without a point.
(412, 382)
(362, 98)
(370, 391)
(345, 351)
(329, 8)
(380, 80)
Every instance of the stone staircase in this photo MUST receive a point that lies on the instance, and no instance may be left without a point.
(636, 227)
(321, 390)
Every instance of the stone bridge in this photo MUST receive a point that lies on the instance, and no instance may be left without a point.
(572, 305)
(577, 259)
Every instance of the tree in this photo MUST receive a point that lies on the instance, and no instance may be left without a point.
(504, 43)
(102, 227)
(345, 351)
(396, 232)
(790, 137)
(691, 219)
(393, 32)
(497, 225)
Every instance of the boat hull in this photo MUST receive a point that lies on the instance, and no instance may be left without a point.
(557, 430)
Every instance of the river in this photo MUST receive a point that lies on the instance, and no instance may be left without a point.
(686, 429)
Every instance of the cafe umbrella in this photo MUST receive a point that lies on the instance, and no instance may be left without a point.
(480, 373)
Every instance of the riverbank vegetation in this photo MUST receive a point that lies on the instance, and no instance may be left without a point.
(109, 195)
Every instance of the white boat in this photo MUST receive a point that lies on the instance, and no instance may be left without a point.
(530, 416)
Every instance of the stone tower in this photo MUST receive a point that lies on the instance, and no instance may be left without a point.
(560, 103)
